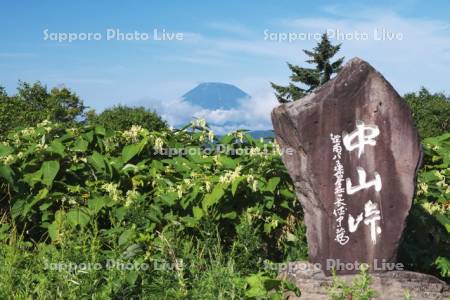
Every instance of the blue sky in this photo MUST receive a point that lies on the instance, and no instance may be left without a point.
(222, 41)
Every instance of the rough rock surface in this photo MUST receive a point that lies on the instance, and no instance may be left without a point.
(385, 145)
(392, 285)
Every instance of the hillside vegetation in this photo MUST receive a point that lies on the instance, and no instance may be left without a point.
(91, 211)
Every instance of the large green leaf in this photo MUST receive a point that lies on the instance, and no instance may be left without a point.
(126, 237)
(198, 212)
(5, 150)
(97, 161)
(49, 171)
(444, 221)
(229, 215)
(187, 200)
(213, 197)
(100, 130)
(32, 178)
(56, 147)
(272, 184)
(96, 204)
(78, 216)
(81, 145)
(54, 229)
(89, 136)
(19, 208)
(7, 173)
(130, 151)
(226, 139)
(235, 184)
(227, 162)
(169, 198)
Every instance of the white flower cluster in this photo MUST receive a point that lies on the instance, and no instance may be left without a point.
(158, 145)
(206, 133)
(46, 124)
(230, 176)
(423, 188)
(132, 195)
(433, 208)
(8, 159)
(30, 131)
(211, 136)
(201, 123)
(442, 178)
(73, 131)
(77, 159)
(180, 188)
(71, 200)
(251, 180)
(239, 135)
(42, 145)
(113, 190)
(276, 148)
(207, 186)
(134, 134)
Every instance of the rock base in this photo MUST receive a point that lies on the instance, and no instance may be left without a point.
(391, 285)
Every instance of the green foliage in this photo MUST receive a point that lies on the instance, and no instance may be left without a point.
(33, 103)
(203, 221)
(123, 117)
(263, 286)
(426, 245)
(310, 77)
(175, 267)
(89, 194)
(431, 112)
(358, 289)
(443, 264)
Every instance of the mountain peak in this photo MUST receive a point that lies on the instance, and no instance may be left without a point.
(215, 95)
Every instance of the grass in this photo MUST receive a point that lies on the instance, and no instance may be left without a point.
(176, 266)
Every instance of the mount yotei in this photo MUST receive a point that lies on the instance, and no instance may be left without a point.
(216, 95)
(221, 96)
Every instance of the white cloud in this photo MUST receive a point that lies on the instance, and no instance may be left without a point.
(417, 56)
(251, 114)
(420, 58)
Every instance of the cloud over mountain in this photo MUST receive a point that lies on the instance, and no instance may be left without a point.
(233, 109)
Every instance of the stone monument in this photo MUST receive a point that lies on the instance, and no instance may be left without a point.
(352, 151)
(354, 156)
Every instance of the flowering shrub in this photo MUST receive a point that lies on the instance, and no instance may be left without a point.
(55, 179)
(426, 245)
(222, 204)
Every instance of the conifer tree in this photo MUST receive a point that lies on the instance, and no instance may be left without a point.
(310, 78)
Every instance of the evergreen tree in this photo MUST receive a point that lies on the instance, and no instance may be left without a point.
(309, 77)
